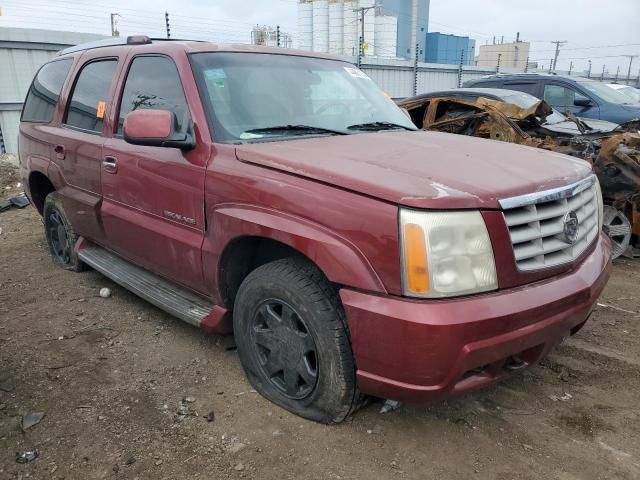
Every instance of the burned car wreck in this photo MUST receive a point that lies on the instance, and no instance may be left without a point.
(516, 117)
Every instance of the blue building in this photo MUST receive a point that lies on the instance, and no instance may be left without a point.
(445, 48)
(403, 10)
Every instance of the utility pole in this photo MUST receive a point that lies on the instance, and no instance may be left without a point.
(460, 67)
(570, 67)
(589, 71)
(415, 72)
(617, 73)
(362, 11)
(278, 35)
(114, 25)
(558, 43)
(602, 74)
(631, 57)
(166, 21)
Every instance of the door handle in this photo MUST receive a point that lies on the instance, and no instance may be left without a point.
(59, 151)
(110, 164)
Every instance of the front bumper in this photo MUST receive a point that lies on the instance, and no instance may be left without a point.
(416, 350)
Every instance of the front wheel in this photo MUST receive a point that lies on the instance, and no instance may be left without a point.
(293, 342)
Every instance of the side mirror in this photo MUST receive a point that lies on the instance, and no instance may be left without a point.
(582, 102)
(155, 128)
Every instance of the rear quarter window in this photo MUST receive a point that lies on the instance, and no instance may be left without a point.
(44, 92)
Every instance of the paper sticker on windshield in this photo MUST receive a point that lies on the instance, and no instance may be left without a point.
(102, 105)
(217, 76)
(354, 72)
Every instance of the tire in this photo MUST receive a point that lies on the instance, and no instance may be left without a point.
(293, 342)
(60, 234)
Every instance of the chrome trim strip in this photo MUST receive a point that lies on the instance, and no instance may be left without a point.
(547, 195)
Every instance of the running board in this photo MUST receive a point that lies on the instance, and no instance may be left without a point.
(163, 294)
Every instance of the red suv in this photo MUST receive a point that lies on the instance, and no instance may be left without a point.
(282, 196)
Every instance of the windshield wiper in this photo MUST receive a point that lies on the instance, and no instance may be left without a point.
(377, 126)
(295, 129)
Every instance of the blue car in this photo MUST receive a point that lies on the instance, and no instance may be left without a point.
(582, 96)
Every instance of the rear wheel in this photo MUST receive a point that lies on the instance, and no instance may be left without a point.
(618, 227)
(293, 342)
(60, 234)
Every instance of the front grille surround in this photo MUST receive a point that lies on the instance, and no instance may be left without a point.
(536, 224)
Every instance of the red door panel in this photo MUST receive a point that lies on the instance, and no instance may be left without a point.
(153, 209)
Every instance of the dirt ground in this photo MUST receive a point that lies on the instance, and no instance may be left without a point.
(110, 375)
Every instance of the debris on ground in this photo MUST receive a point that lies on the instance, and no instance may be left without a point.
(105, 292)
(563, 398)
(390, 406)
(184, 409)
(235, 447)
(31, 419)
(19, 201)
(27, 456)
(210, 417)
(7, 380)
(613, 307)
(377, 429)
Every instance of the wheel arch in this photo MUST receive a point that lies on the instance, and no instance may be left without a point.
(39, 187)
(248, 237)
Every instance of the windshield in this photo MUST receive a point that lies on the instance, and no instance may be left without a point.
(524, 100)
(606, 93)
(255, 96)
(631, 93)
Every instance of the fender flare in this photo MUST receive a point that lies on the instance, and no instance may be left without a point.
(339, 259)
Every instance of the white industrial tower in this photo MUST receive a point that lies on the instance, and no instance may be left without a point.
(335, 26)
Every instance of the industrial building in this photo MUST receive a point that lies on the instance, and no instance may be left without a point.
(391, 27)
(22, 52)
(512, 55)
(270, 37)
(449, 49)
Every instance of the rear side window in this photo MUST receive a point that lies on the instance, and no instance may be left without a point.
(45, 90)
(91, 95)
(154, 83)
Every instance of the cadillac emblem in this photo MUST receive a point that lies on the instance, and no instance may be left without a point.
(570, 228)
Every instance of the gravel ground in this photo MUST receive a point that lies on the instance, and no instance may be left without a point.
(130, 392)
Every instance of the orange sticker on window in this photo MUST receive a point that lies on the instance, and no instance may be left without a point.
(102, 105)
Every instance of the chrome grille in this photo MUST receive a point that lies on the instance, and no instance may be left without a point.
(536, 224)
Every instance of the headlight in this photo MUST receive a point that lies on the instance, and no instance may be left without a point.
(600, 204)
(445, 254)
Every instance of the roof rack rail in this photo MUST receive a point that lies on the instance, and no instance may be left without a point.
(156, 39)
(108, 42)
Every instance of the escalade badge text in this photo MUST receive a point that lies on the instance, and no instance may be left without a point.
(570, 228)
(179, 218)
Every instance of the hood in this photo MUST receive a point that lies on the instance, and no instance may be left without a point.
(570, 128)
(420, 169)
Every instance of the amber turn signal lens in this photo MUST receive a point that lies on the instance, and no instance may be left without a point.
(415, 259)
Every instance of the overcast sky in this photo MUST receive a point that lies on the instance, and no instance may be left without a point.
(584, 24)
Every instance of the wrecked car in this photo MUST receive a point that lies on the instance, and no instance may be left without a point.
(517, 117)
